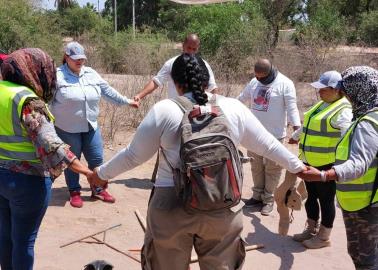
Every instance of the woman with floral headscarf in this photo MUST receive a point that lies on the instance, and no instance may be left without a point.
(355, 171)
(31, 154)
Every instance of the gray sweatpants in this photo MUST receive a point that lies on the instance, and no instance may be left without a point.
(172, 232)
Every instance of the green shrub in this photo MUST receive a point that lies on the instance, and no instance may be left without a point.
(75, 21)
(368, 31)
(22, 26)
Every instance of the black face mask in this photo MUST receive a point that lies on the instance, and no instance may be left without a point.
(270, 77)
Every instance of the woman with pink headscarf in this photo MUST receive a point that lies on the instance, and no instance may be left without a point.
(31, 154)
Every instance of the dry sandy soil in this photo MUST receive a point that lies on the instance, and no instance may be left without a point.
(63, 224)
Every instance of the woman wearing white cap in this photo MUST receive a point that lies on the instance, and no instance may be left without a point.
(76, 108)
(323, 126)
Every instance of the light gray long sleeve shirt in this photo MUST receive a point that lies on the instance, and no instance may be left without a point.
(77, 99)
(160, 128)
(363, 149)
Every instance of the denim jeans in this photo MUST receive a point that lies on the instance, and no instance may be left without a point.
(87, 143)
(23, 203)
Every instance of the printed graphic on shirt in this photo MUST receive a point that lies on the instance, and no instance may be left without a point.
(261, 98)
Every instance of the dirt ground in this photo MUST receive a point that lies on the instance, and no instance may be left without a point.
(63, 224)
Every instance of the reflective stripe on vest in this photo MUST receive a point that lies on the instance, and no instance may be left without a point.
(356, 194)
(14, 143)
(319, 139)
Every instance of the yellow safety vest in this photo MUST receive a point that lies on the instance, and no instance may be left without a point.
(319, 139)
(355, 195)
(14, 142)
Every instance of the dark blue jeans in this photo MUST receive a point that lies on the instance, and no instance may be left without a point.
(87, 143)
(23, 203)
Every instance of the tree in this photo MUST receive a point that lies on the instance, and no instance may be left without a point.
(146, 12)
(63, 4)
(324, 29)
(369, 28)
(279, 13)
(23, 26)
(76, 20)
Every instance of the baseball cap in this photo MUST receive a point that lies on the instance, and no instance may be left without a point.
(75, 51)
(328, 79)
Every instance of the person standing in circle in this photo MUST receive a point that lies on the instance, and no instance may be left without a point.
(76, 108)
(324, 124)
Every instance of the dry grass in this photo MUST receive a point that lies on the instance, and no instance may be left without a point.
(289, 60)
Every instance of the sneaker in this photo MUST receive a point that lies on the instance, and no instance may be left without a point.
(252, 203)
(75, 199)
(266, 209)
(103, 195)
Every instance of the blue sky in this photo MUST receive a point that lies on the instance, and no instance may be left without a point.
(49, 4)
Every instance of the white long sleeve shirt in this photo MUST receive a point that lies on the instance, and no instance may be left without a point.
(274, 104)
(160, 128)
(164, 75)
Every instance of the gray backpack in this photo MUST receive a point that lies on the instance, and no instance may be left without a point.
(210, 176)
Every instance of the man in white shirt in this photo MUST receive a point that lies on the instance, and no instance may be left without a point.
(272, 98)
(191, 45)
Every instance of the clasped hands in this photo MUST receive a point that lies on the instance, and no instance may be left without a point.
(311, 174)
(95, 180)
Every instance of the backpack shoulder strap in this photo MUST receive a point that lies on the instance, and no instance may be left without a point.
(153, 177)
(184, 103)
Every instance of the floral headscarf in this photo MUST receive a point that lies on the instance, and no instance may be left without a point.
(360, 84)
(33, 68)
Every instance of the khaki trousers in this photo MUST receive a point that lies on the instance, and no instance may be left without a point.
(172, 232)
(266, 175)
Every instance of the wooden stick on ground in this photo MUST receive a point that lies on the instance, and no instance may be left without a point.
(88, 236)
(116, 249)
(141, 220)
(194, 258)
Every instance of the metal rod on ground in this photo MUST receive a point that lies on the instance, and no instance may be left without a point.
(141, 220)
(75, 241)
(116, 249)
(194, 258)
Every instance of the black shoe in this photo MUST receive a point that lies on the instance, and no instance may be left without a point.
(252, 203)
(266, 209)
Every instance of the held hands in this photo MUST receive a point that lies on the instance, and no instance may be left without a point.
(95, 180)
(134, 103)
(311, 174)
(137, 98)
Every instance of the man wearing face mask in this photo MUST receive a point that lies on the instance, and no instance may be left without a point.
(273, 101)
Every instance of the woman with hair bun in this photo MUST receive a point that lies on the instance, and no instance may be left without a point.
(172, 231)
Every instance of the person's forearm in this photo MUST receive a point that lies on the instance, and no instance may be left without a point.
(215, 90)
(292, 110)
(78, 167)
(148, 89)
(331, 175)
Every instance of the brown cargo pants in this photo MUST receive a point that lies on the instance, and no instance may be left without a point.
(172, 232)
(266, 176)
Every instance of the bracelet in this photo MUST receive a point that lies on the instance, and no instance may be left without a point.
(323, 176)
